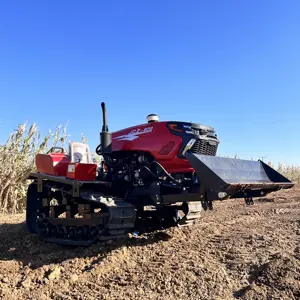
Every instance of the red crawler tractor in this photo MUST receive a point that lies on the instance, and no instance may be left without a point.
(153, 176)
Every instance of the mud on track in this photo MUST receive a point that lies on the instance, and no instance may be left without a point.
(234, 252)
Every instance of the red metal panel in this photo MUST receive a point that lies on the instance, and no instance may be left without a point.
(151, 137)
(53, 164)
(84, 172)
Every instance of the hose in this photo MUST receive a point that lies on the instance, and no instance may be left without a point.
(98, 150)
(154, 175)
(165, 171)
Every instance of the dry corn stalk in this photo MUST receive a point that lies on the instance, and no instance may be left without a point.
(17, 161)
(291, 172)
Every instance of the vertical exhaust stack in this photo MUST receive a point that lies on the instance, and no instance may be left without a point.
(105, 136)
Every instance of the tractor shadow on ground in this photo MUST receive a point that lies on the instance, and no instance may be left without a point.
(17, 244)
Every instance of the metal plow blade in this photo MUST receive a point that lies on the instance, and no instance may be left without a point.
(237, 178)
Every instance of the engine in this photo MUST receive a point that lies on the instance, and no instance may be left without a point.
(155, 151)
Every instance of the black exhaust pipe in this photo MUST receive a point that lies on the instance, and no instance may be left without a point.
(104, 126)
(105, 136)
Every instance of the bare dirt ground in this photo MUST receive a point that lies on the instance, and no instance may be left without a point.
(234, 252)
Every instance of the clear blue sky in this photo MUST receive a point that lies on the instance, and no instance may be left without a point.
(234, 65)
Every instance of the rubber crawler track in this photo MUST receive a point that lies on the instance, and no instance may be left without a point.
(119, 219)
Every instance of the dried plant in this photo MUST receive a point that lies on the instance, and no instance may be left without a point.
(83, 139)
(290, 172)
(17, 161)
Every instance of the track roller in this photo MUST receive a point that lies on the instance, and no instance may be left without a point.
(82, 232)
(72, 234)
